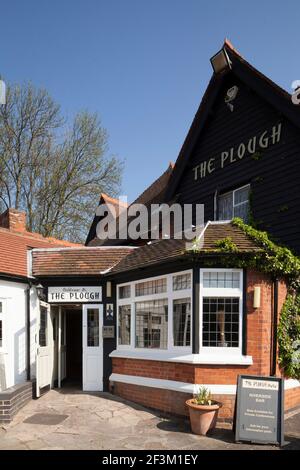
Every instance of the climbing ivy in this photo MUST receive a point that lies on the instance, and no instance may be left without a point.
(226, 245)
(289, 337)
(273, 259)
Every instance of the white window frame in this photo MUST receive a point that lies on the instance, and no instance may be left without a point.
(170, 295)
(2, 318)
(221, 292)
(233, 197)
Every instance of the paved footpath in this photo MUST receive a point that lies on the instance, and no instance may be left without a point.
(69, 419)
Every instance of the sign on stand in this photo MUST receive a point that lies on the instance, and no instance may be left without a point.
(260, 410)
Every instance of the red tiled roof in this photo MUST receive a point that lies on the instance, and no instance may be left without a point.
(154, 192)
(15, 245)
(167, 250)
(114, 260)
(76, 262)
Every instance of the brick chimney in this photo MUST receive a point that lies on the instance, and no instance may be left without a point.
(13, 220)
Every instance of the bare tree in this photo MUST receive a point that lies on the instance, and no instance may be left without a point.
(53, 172)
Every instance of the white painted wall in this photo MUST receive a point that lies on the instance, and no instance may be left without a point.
(13, 353)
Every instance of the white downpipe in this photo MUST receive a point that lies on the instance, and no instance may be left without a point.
(59, 347)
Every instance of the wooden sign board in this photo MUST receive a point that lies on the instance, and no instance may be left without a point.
(260, 410)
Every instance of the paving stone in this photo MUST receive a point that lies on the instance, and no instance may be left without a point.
(102, 421)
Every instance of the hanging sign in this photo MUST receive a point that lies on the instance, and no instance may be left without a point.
(75, 294)
(260, 410)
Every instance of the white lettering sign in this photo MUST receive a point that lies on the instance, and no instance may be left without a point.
(235, 154)
(261, 384)
(75, 294)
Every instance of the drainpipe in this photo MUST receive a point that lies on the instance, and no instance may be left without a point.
(275, 322)
(27, 307)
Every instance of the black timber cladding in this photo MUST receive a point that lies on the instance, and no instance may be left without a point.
(273, 174)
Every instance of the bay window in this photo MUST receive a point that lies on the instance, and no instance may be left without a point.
(155, 314)
(221, 310)
(155, 317)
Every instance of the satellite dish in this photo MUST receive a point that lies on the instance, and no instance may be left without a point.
(2, 92)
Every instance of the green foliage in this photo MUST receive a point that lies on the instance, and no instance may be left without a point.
(289, 337)
(203, 397)
(226, 244)
(275, 260)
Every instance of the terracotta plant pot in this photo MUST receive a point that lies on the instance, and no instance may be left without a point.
(203, 417)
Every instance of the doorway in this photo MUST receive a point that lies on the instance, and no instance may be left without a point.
(70, 348)
(73, 347)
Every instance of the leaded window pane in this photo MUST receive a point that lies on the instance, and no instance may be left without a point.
(222, 279)
(151, 324)
(124, 292)
(158, 286)
(182, 322)
(220, 323)
(182, 281)
(124, 324)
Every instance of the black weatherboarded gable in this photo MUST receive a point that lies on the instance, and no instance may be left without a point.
(272, 172)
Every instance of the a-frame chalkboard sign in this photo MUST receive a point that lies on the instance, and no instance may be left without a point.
(259, 416)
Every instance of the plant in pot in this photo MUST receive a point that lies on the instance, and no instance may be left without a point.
(203, 411)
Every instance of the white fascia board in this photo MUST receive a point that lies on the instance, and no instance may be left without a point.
(184, 387)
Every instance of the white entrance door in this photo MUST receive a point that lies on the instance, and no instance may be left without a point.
(44, 353)
(92, 347)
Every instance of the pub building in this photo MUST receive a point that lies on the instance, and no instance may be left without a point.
(151, 320)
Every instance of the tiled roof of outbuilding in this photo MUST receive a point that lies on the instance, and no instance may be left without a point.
(167, 250)
(15, 245)
(85, 261)
(95, 261)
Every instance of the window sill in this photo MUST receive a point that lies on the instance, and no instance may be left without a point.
(188, 358)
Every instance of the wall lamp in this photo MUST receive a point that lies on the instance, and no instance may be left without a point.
(40, 291)
(220, 61)
(108, 289)
(256, 297)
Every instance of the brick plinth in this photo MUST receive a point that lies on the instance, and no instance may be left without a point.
(13, 399)
(169, 401)
(172, 402)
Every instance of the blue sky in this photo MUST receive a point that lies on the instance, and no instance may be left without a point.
(142, 65)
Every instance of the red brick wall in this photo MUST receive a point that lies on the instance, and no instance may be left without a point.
(291, 398)
(172, 402)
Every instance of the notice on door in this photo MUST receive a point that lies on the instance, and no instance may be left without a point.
(259, 412)
(74, 294)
